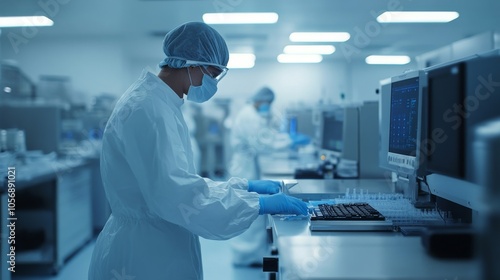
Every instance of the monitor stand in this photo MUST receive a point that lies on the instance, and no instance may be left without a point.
(407, 185)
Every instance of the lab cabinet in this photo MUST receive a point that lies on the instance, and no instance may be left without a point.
(74, 213)
(54, 218)
(35, 226)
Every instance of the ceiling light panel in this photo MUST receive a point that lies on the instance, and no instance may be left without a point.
(299, 58)
(241, 60)
(240, 18)
(25, 21)
(388, 59)
(408, 17)
(319, 36)
(309, 49)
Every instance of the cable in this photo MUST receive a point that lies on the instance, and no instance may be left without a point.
(424, 179)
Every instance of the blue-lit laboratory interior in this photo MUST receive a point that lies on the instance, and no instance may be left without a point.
(249, 139)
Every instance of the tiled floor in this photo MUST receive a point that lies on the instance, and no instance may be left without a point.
(216, 265)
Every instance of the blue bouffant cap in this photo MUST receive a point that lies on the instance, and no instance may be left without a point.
(194, 41)
(265, 94)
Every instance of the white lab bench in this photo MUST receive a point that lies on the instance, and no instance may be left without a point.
(305, 254)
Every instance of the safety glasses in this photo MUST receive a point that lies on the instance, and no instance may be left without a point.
(220, 70)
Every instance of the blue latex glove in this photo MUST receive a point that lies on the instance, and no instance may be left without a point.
(264, 186)
(282, 204)
(299, 139)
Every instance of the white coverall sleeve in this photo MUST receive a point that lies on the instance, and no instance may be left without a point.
(234, 182)
(214, 210)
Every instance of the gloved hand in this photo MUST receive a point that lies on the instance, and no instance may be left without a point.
(282, 204)
(264, 186)
(299, 139)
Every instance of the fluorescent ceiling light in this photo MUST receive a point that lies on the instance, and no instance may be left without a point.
(309, 49)
(240, 18)
(319, 36)
(388, 59)
(300, 58)
(392, 17)
(241, 60)
(25, 21)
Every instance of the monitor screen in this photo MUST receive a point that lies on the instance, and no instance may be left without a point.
(404, 119)
(333, 130)
(445, 92)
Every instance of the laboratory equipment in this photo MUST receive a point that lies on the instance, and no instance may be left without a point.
(56, 89)
(404, 121)
(300, 121)
(470, 86)
(339, 134)
(401, 129)
(15, 140)
(368, 147)
(346, 141)
(41, 125)
(332, 132)
(487, 145)
(383, 113)
(397, 210)
(14, 83)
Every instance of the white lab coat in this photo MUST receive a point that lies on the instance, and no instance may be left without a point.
(191, 124)
(159, 205)
(252, 135)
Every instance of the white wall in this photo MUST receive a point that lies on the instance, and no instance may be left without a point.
(366, 78)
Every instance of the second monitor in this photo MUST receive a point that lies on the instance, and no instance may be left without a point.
(339, 133)
(348, 136)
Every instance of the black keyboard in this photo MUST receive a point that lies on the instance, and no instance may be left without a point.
(359, 211)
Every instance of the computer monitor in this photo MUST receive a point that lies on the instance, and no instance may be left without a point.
(405, 122)
(400, 121)
(339, 133)
(332, 132)
(383, 123)
(300, 121)
(444, 128)
(369, 128)
(462, 95)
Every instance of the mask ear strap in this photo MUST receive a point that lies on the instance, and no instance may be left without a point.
(190, 81)
(201, 68)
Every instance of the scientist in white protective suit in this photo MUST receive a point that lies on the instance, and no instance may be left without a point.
(159, 205)
(253, 134)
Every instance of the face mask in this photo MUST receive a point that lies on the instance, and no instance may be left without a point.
(264, 110)
(203, 92)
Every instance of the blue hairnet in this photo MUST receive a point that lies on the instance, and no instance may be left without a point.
(265, 94)
(194, 41)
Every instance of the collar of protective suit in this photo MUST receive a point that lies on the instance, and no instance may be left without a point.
(160, 88)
